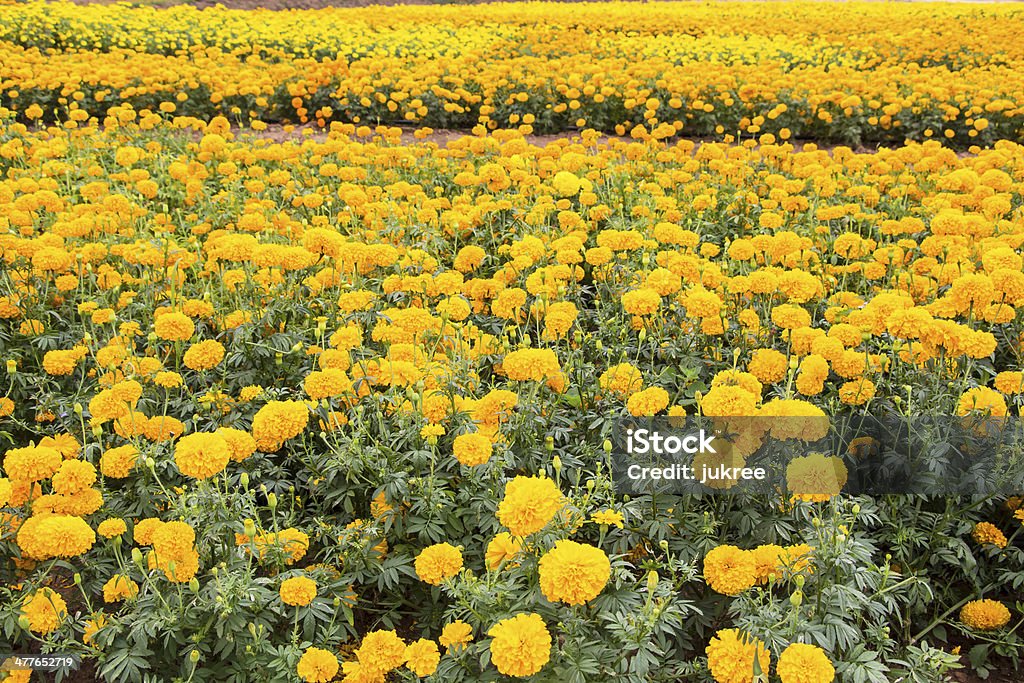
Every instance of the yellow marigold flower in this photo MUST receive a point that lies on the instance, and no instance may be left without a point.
(729, 401)
(250, 393)
(502, 550)
(645, 301)
(240, 444)
(985, 615)
(810, 380)
(648, 402)
(109, 528)
(456, 635)
(520, 645)
(6, 406)
(815, 477)
(317, 666)
(609, 518)
(729, 570)
(119, 587)
(278, 421)
(73, 476)
(1009, 382)
(984, 532)
(531, 364)
(766, 562)
(144, 530)
(177, 564)
(116, 463)
(983, 400)
(202, 455)
(5, 491)
(45, 610)
(66, 445)
(381, 652)
(438, 562)
(768, 365)
(32, 463)
(529, 504)
(622, 379)
(431, 432)
(295, 543)
(732, 654)
(61, 362)
(790, 317)
(92, 626)
(46, 536)
(803, 663)
(174, 326)
(164, 428)
(472, 449)
(298, 591)
(857, 392)
(573, 573)
(566, 184)
(327, 383)
(422, 657)
(204, 355)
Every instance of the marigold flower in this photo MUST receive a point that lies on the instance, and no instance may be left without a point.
(802, 663)
(608, 518)
(298, 591)
(520, 645)
(985, 615)
(204, 356)
(73, 476)
(438, 562)
(45, 610)
(622, 379)
(647, 402)
(531, 364)
(118, 588)
(529, 504)
(109, 528)
(174, 326)
(641, 302)
(768, 365)
(456, 635)
(983, 400)
(472, 449)
(278, 421)
(317, 666)
(573, 573)
(32, 463)
(857, 392)
(987, 533)
(46, 536)
(729, 570)
(731, 656)
(328, 383)
(381, 652)
(202, 455)
(117, 463)
(422, 657)
(815, 477)
(502, 550)
(729, 401)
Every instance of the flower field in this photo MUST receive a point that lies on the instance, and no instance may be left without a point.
(881, 73)
(340, 404)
